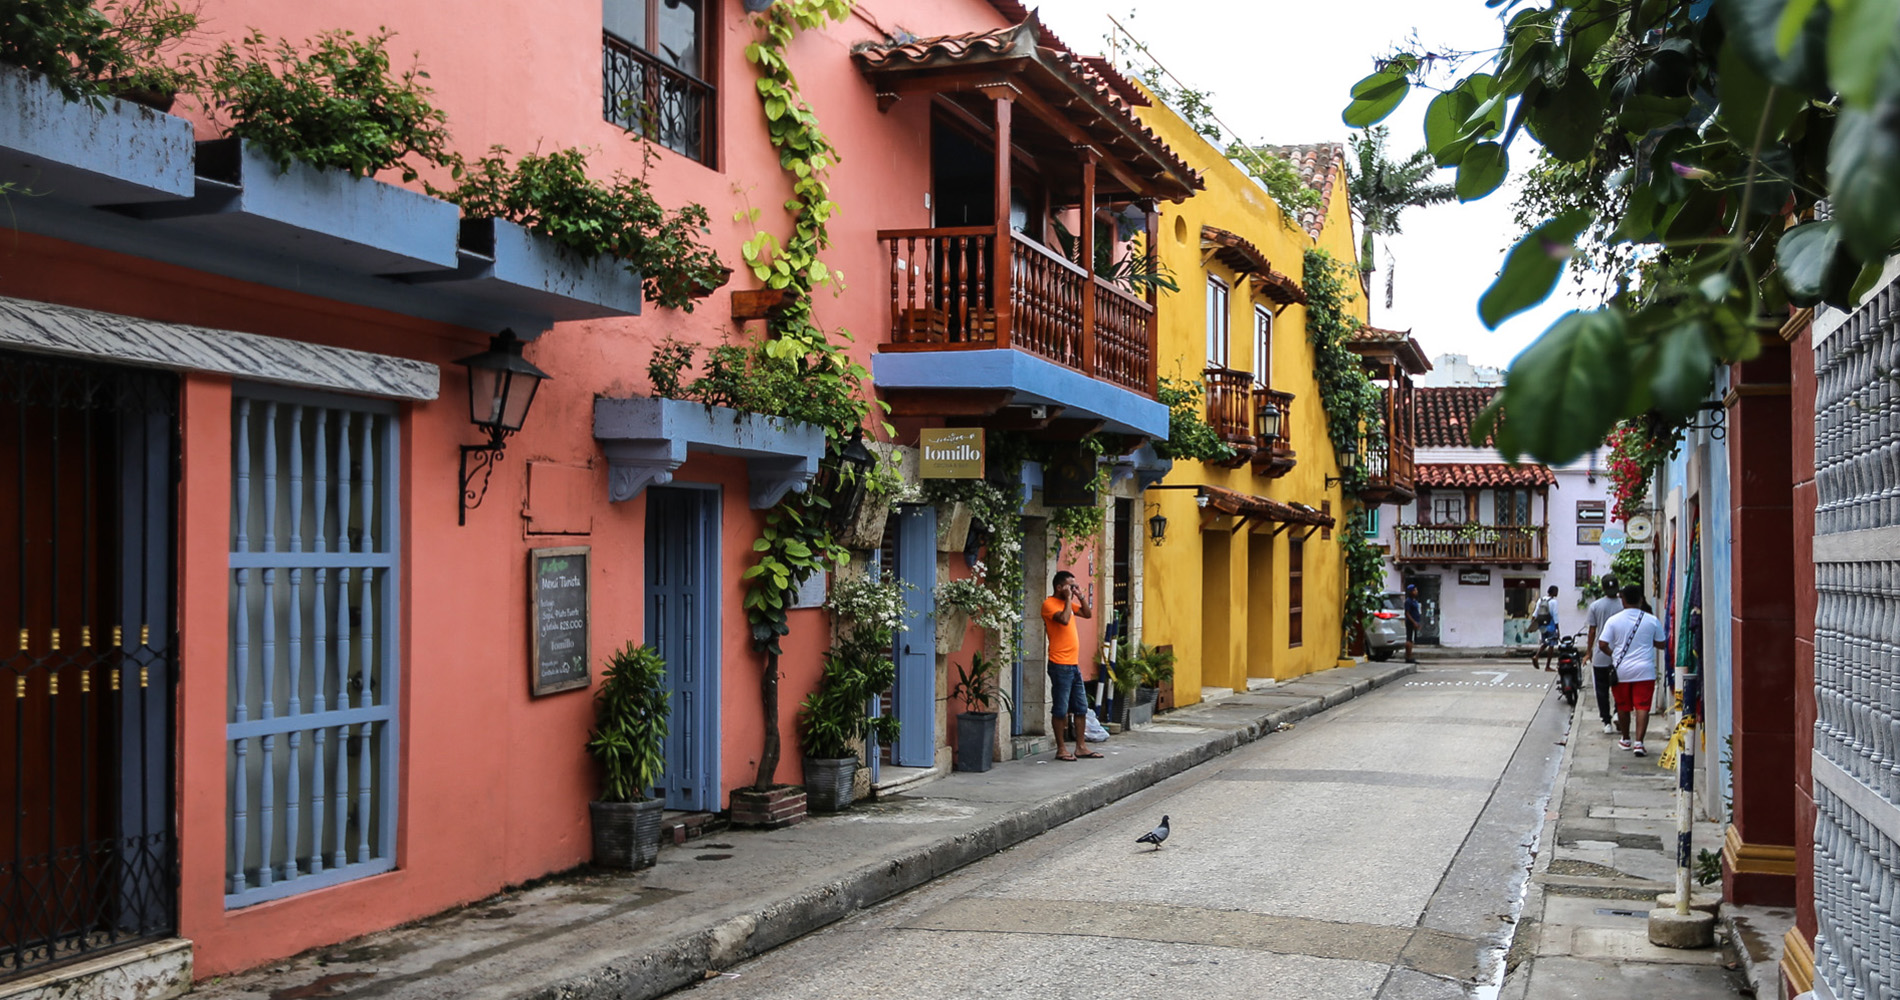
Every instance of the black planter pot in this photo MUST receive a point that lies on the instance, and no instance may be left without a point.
(976, 741)
(828, 783)
(626, 834)
(1139, 710)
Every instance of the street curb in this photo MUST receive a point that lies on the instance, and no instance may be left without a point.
(1527, 933)
(779, 920)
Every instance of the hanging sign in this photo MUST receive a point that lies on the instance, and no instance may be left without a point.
(1613, 539)
(559, 606)
(950, 453)
(1475, 577)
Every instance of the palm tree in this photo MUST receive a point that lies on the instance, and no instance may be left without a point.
(1381, 189)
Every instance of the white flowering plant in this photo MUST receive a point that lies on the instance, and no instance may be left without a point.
(869, 603)
(991, 610)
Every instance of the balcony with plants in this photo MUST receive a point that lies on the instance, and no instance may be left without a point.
(1037, 285)
(1390, 359)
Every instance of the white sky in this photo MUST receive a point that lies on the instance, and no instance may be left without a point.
(1279, 72)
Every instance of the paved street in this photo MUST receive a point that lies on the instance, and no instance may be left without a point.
(1379, 850)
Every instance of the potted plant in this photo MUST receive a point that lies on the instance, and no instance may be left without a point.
(629, 740)
(1139, 671)
(834, 719)
(960, 601)
(883, 486)
(977, 687)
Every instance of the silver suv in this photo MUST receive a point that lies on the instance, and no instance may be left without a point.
(1385, 628)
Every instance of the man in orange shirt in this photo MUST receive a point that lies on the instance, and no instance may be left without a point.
(1068, 704)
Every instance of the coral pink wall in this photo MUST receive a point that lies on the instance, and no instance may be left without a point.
(493, 782)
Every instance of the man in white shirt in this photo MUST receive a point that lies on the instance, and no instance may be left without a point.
(1631, 638)
(1602, 667)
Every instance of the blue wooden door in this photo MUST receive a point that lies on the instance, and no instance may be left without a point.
(915, 697)
(681, 584)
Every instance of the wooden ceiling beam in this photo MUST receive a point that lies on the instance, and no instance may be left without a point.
(946, 402)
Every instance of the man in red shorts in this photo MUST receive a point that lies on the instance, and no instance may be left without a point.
(1631, 638)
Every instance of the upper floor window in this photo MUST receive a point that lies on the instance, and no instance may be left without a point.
(1262, 345)
(654, 60)
(1448, 508)
(1220, 320)
(1514, 507)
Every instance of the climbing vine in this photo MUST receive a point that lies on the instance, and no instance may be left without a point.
(797, 540)
(1354, 406)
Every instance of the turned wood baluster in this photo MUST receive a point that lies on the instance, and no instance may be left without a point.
(897, 311)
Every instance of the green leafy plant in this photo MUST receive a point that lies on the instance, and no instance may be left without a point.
(1190, 436)
(797, 539)
(978, 685)
(997, 507)
(1135, 271)
(332, 103)
(88, 49)
(1708, 867)
(1355, 410)
(1141, 665)
(1714, 134)
(629, 736)
(1381, 189)
(834, 719)
(869, 605)
(553, 195)
(1290, 192)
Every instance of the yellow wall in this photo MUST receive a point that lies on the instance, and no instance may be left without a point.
(1221, 599)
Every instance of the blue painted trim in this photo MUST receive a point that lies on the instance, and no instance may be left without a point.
(324, 217)
(501, 262)
(308, 721)
(645, 439)
(89, 155)
(313, 560)
(1033, 379)
(306, 883)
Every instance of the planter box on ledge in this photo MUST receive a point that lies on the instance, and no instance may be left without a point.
(645, 439)
(75, 153)
(504, 264)
(320, 217)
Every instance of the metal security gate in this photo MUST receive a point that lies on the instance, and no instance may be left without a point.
(88, 460)
(1857, 655)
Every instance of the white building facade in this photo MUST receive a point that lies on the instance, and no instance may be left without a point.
(1486, 538)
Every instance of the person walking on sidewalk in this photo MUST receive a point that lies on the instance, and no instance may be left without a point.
(1414, 618)
(1602, 668)
(1544, 616)
(1631, 637)
(1068, 704)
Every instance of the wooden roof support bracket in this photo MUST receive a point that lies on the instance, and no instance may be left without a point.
(1240, 523)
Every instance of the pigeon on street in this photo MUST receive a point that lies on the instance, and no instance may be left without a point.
(1156, 835)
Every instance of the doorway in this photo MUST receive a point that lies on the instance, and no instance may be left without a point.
(682, 624)
(913, 555)
(88, 471)
(1429, 603)
(1520, 597)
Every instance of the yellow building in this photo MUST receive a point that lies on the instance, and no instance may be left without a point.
(1248, 580)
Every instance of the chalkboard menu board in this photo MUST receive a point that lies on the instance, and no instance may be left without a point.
(559, 609)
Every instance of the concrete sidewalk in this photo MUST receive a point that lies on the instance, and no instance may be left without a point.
(717, 901)
(1607, 850)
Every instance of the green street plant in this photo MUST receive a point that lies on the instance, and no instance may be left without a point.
(629, 735)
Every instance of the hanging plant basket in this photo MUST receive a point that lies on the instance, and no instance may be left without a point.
(952, 623)
(866, 531)
(953, 526)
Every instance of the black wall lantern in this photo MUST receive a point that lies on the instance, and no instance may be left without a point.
(1268, 417)
(1348, 460)
(1158, 524)
(855, 462)
(501, 387)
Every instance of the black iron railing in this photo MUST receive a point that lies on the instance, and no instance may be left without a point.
(644, 95)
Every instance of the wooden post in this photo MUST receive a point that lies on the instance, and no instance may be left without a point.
(1002, 284)
(1087, 253)
(1152, 239)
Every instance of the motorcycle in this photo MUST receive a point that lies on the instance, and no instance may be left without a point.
(1569, 667)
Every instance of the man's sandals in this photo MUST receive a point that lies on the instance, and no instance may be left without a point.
(1089, 755)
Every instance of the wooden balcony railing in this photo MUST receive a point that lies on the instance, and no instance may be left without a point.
(1230, 402)
(1391, 475)
(1274, 458)
(944, 292)
(1471, 543)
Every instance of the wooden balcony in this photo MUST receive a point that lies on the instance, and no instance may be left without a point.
(1230, 396)
(1391, 471)
(1472, 543)
(1274, 457)
(945, 292)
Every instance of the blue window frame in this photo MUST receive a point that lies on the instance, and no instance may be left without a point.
(311, 724)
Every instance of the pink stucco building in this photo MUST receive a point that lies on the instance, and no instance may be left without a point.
(274, 688)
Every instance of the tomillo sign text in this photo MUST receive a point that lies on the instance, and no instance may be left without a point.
(951, 453)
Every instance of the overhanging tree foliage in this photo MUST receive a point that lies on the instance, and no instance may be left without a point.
(1703, 135)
